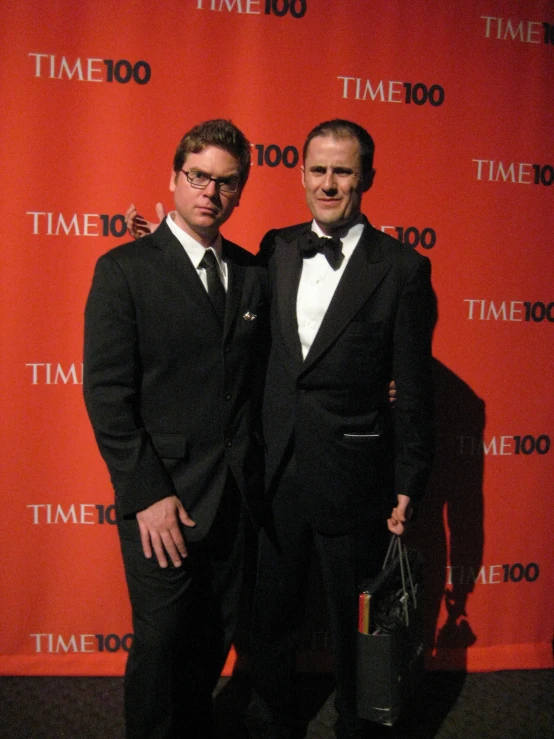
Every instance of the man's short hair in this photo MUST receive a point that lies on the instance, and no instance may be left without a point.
(343, 129)
(218, 132)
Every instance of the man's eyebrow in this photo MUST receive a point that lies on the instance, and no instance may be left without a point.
(337, 168)
(233, 176)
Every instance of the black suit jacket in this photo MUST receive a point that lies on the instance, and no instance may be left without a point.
(172, 394)
(353, 452)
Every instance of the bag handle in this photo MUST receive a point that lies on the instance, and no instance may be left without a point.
(398, 549)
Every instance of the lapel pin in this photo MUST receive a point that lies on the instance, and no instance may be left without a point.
(249, 316)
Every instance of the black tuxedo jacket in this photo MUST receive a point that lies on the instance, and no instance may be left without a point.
(353, 452)
(171, 393)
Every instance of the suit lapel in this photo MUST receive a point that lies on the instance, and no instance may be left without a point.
(184, 273)
(235, 281)
(363, 273)
(288, 268)
(179, 267)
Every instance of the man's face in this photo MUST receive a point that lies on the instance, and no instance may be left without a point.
(332, 176)
(201, 212)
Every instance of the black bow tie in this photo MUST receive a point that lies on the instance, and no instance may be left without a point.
(310, 244)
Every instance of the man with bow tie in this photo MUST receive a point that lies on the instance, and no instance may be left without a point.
(351, 308)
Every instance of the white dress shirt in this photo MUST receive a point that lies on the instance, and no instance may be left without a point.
(318, 283)
(196, 251)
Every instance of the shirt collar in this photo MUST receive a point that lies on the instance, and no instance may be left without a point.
(194, 250)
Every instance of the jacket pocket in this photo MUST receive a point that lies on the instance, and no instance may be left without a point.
(355, 436)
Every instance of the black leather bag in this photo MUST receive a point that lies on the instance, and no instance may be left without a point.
(390, 636)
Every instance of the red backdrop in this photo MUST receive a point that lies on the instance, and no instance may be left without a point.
(458, 97)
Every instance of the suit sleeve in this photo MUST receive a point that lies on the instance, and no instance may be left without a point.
(412, 372)
(267, 247)
(111, 384)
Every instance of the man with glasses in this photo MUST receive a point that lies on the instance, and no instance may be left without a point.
(174, 333)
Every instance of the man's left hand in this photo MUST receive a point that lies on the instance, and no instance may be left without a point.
(400, 515)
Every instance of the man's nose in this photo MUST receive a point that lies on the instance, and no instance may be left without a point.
(212, 190)
(329, 182)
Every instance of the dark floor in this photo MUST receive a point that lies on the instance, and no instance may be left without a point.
(498, 705)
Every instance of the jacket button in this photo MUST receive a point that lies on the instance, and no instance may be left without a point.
(228, 443)
(227, 396)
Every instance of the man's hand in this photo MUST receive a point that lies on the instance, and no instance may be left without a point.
(160, 533)
(400, 515)
(138, 226)
(392, 392)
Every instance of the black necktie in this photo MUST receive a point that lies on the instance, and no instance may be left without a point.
(216, 291)
(310, 244)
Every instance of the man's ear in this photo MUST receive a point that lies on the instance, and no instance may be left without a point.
(173, 180)
(303, 177)
(368, 181)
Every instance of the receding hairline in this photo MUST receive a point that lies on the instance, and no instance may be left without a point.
(340, 130)
(341, 135)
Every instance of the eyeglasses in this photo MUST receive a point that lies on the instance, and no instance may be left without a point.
(200, 180)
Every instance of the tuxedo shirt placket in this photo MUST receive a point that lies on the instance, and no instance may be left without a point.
(317, 286)
(312, 300)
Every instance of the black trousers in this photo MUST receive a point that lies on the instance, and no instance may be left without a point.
(184, 619)
(284, 556)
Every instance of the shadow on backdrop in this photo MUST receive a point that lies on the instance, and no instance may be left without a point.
(449, 531)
